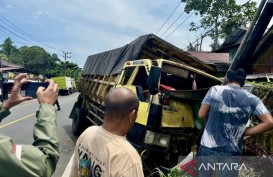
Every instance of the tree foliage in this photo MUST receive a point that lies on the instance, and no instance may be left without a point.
(4, 57)
(7, 47)
(220, 17)
(38, 61)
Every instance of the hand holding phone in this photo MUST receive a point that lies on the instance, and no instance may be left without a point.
(32, 87)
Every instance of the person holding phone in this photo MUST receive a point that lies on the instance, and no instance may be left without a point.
(40, 158)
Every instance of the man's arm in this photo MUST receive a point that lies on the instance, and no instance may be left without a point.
(203, 111)
(266, 124)
(39, 159)
(205, 106)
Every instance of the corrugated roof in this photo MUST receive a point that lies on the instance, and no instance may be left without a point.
(210, 57)
(219, 60)
(7, 65)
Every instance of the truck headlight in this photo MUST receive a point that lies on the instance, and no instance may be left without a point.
(158, 139)
(162, 140)
(149, 137)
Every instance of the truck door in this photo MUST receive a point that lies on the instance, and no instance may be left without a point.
(135, 79)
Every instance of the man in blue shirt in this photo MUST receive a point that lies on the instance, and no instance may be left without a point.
(227, 110)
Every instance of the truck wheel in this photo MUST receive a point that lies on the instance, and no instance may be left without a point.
(70, 91)
(79, 123)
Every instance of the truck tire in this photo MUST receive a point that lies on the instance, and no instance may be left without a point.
(70, 91)
(79, 123)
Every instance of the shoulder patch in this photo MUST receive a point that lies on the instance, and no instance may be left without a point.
(17, 149)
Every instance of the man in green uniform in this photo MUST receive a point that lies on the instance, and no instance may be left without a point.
(40, 158)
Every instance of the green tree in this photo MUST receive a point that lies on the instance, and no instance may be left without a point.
(7, 48)
(16, 58)
(220, 17)
(35, 59)
(73, 70)
(3, 57)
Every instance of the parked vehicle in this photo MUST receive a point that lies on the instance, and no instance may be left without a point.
(66, 85)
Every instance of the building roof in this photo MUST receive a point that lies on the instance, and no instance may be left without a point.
(9, 66)
(219, 60)
(234, 39)
(211, 57)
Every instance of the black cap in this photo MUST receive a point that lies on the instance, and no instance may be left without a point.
(238, 76)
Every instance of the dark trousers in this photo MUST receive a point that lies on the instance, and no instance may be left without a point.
(57, 103)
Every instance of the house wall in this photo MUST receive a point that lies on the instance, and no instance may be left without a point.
(264, 63)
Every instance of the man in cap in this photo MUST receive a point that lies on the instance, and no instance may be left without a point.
(227, 109)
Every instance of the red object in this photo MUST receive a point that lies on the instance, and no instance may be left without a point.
(189, 167)
(194, 85)
(165, 87)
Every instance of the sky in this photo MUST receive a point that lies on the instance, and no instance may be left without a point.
(84, 27)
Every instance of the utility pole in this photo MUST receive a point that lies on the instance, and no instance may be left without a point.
(66, 55)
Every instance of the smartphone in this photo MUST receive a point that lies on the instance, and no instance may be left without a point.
(30, 88)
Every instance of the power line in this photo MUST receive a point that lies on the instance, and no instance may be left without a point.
(202, 36)
(4, 34)
(17, 32)
(27, 35)
(10, 25)
(76, 60)
(13, 33)
(169, 17)
(179, 25)
(172, 23)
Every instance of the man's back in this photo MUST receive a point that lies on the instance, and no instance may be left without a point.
(231, 107)
(100, 153)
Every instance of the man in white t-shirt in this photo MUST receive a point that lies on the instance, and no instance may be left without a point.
(103, 151)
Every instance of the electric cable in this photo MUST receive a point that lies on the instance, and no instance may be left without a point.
(179, 25)
(169, 17)
(172, 23)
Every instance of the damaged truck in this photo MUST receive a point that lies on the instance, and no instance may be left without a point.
(170, 84)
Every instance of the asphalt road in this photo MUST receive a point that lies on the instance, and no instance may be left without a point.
(19, 126)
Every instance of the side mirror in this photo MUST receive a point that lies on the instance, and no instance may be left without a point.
(153, 80)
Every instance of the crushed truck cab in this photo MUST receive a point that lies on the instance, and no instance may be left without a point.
(167, 121)
(170, 84)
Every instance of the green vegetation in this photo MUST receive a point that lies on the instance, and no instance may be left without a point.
(254, 146)
(219, 18)
(37, 60)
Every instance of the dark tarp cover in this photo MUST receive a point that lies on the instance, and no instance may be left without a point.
(147, 46)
